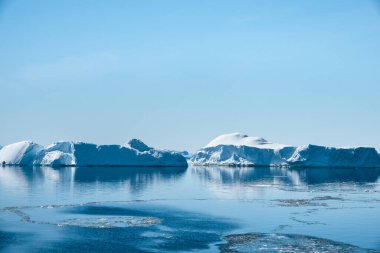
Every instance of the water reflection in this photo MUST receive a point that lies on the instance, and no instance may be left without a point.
(17, 178)
(23, 178)
(137, 178)
(286, 176)
(113, 174)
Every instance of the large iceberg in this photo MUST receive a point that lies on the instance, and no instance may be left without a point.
(241, 150)
(67, 153)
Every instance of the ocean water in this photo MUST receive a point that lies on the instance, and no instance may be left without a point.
(199, 209)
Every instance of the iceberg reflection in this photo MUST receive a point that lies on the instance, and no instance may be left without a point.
(135, 177)
(286, 176)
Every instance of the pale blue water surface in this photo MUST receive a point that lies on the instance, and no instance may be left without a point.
(200, 209)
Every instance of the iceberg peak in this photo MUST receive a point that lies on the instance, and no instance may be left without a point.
(138, 145)
(238, 139)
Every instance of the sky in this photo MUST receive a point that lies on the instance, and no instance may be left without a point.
(176, 74)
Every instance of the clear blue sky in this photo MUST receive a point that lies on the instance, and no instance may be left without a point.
(178, 73)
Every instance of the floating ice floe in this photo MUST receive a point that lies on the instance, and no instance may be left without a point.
(110, 222)
(258, 242)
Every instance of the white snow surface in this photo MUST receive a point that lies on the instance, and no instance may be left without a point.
(241, 150)
(238, 139)
(67, 153)
(22, 152)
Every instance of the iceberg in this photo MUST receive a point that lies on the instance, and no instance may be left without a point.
(81, 154)
(241, 150)
(320, 156)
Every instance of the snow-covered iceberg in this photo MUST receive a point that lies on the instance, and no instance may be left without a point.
(67, 153)
(241, 150)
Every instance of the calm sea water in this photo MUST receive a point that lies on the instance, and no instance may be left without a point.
(200, 209)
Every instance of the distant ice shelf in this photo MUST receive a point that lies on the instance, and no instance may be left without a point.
(68, 153)
(241, 150)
